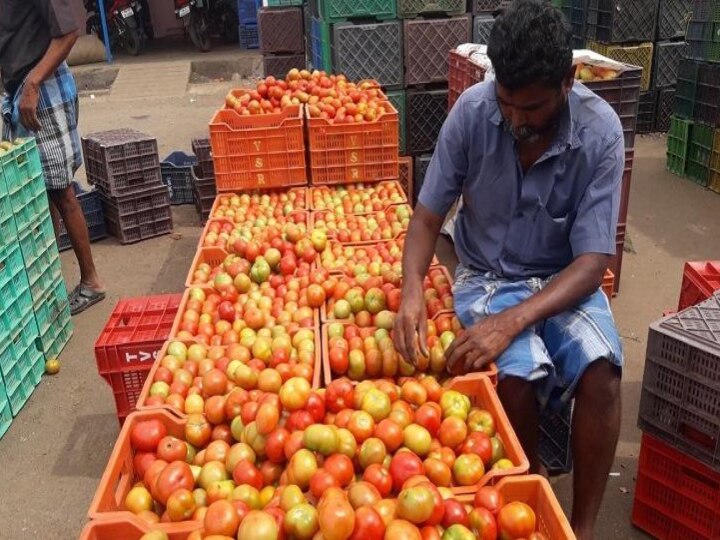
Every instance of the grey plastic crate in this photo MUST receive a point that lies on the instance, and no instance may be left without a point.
(279, 65)
(135, 218)
(680, 401)
(707, 95)
(484, 6)
(281, 30)
(426, 112)
(409, 9)
(203, 151)
(482, 25)
(427, 44)
(554, 442)
(419, 168)
(369, 51)
(673, 16)
(646, 113)
(621, 21)
(668, 55)
(664, 109)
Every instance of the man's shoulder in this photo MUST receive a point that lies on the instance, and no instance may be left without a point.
(592, 115)
(479, 99)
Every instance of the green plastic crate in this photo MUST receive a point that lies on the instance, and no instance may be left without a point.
(53, 341)
(409, 9)
(52, 304)
(20, 164)
(345, 10)
(283, 3)
(397, 98)
(5, 411)
(14, 312)
(14, 365)
(20, 395)
(37, 364)
(320, 47)
(699, 150)
(37, 239)
(29, 202)
(50, 272)
(677, 144)
(11, 262)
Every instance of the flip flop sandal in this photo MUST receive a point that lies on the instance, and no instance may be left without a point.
(83, 297)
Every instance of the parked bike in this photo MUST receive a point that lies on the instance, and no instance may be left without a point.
(124, 20)
(204, 19)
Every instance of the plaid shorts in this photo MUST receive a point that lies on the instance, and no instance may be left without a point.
(554, 353)
(58, 141)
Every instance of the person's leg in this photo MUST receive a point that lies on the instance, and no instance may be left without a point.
(54, 216)
(519, 400)
(585, 347)
(595, 431)
(69, 209)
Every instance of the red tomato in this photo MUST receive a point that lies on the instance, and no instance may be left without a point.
(172, 449)
(455, 513)
(483, 523)
(221, 518)
(402, 466)
(341, 468)
(490, 498)
(379, 477)
(177, 475)
(429, 417)
(320, 481)
(246, 473)
(339, 395)
(316, 407)
(368, 525)
(478, 443)
(275, 445)
(515, 520)
(145, 436)
(142, 462)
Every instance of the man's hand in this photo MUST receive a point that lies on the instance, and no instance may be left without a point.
(482, 343)
(410, 328)
(29, 104)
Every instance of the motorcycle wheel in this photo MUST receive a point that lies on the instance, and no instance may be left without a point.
(132, 41)
(231, 33)
(200, 32)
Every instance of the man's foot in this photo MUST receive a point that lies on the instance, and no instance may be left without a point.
(83, 297)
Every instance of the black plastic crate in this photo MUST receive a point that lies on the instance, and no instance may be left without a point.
(427, 44)
(176, 170)
(426, 113)
(622, 94)
(132, 219)
(94, 216)
(484, 6)
(707, 95)
(680, 400)
(575, 12)
(121, 161)
(281, 30)
(203, 185)
(279, 65)
(621, 21)
(668, 56)
(419, 168)
(554, 440)
(706, 10)
(249, 36)
(664, 110)
(686, 88)
(646, 113)
(673, 16)
(409, 9)
(482, 26)
(369, 51)
(203, 151)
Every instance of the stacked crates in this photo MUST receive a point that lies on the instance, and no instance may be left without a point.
(248, 24)
(91, 206)
(35, 318)
(176, 170)
(124, 166)
(282, 39)
(203, 179)
(678, 479)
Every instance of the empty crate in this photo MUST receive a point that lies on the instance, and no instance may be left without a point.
(426, 112)
(134, 218)
(409, 9)
(281, 30)
(427, 43)
(667, 60)
(482, 25)
(672, 18)
(176, 174)
(665, 99)
(278, 65)
(621, 21)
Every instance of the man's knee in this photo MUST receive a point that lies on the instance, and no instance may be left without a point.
(515, 392)
(600, 381)
(64, 200)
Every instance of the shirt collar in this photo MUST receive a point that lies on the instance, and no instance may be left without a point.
(567, 136)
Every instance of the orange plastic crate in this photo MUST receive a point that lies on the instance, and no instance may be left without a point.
(260, 151)
(119, 475)
(129, 528)
(358, 152)
(206, 227)
(536, 492)
(482, 394)
(214, 256)
(608, 284)
(302, 192)
(700, 281)
(676, 496)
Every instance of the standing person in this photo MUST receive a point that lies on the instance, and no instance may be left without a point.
(41, 100)
(538, 160)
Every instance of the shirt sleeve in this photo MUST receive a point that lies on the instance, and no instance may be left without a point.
(449, 165)
(595, 226)
(58, 14)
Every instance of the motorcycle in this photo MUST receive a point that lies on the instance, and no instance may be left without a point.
(204, 19)
(124, 20)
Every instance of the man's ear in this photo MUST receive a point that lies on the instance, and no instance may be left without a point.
(568, 80)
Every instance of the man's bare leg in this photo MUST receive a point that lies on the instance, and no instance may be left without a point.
(520, 403)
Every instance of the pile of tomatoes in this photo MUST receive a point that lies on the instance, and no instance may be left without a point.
(381, 225)
(275, 203)
(331, 97)
(357, 198)
(382, 456)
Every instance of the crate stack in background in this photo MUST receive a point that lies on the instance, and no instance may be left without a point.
(678, 478)
(203, 179)
(125, 168)
(483, 12)
(176, 171)
(248, 24)
(693, 141)
(91, 206)
(282, 37)
(35, 320)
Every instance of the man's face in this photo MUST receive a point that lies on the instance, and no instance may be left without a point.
(532, 111)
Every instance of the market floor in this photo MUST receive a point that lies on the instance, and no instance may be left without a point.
(55, 451)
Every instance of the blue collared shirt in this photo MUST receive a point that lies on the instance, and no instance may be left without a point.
(532, 224)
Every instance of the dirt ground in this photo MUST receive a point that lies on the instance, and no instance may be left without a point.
(54, 453)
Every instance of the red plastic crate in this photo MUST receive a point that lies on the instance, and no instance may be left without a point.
(676, 496)
(128, 345)
(700, 280)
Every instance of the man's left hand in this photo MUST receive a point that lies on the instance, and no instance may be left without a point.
(28, 106)
(482, 343)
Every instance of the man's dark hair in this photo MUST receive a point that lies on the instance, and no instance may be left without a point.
(530, 42)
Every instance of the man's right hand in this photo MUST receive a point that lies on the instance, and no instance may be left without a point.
(410, 328)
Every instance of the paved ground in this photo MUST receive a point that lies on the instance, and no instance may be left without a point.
(57, 448)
